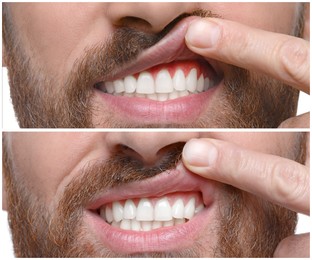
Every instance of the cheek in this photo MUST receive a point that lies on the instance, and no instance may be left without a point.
(57, 33)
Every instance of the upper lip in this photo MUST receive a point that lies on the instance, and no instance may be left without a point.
(175, 180)
(172, 47)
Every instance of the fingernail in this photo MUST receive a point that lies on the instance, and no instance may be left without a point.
(203, 34)
(200, 153)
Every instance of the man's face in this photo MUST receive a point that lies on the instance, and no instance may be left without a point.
(127, 65)
(111, 194)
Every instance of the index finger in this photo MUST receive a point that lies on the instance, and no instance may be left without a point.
(276, 179)
(283, 57)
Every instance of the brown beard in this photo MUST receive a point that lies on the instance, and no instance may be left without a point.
(247, 227)
(40, 101)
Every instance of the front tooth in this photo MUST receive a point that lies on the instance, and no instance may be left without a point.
(130, 84)
(156, 224)
(183, 93)
(145, 84)
(179, 80)
(145, 211)
(191, 80)
(162, 210)
(146, 225)
(109, 214)
(115, 224)
(162, 97)
(119, 86)
(117, 211)
(163, 83)
(109, 87)
(173, 95)
(178, 209)
(135, 225)
(125, 224)
(129, 211)
(200, 84)
(168, 223)
(189, 209)
(152, 97)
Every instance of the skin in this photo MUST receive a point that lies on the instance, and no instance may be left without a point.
(261, 45)
(239, 159)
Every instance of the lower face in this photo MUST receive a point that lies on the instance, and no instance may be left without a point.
(103, 85)
(108, 194)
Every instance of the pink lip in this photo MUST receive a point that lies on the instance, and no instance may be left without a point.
(159, 240)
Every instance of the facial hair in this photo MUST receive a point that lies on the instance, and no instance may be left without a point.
(41, 100)
(247, 226)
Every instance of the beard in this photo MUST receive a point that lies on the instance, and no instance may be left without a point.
(246, 226)
(42, 100)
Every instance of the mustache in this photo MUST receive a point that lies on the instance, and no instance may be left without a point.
(119, 169)
(122, 48)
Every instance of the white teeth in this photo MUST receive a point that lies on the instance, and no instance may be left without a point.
(125, 224)
(146, 217)
(189, 209)
(129, 211)
(109, 214)
(179, 80)
(135, 225)
(117, 211)
(178, 209)
(145, 211)
(162, 210)
(145, 84)
(163, 83)
(200, 84)
(119, 86)
(162, 88)
(130, 84)
(191, 80)
(146, 225)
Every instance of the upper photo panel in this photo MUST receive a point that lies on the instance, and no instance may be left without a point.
(160, 65)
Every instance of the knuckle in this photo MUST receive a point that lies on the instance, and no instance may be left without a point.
(289, 182)
(295, 59)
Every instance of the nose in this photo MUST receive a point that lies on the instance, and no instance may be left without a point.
(151, 17)
(147, 147)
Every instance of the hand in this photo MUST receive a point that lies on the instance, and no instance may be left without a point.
(283, 57)
(276, 179)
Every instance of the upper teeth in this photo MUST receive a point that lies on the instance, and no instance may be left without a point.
(145, 216)
(162, 88)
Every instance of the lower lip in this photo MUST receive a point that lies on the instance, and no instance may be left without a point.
(183, 110)
(159, 240)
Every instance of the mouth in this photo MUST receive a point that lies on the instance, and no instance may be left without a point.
(164, 82)
(152, 215)
(167, 84)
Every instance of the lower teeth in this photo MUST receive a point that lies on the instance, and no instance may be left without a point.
(135, 225)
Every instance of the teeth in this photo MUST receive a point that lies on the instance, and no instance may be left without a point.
(117, 211)
(146, 217)
(189, 209)
(162, 210)
(191, 81)
(129, 211)
(178, 209)
(179, 80)
(145, 211)
(162, 88)
(145, 84)
(163, 82)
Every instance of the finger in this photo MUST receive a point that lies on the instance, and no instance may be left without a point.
(273, 178)
(294, 246)
(281, 56)
(301, 121)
